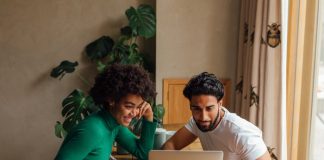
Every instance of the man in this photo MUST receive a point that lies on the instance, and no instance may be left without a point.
(216, 127)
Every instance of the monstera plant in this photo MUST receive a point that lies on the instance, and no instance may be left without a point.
(103, 52)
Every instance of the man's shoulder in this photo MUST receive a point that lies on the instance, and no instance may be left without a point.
(247, 137)
(238, 125)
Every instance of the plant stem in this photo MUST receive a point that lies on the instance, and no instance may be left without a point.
(130, 40)
(84, 80)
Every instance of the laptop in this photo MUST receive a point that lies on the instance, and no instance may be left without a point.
(185, 155)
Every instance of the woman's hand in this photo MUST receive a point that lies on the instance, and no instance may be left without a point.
(146, 111)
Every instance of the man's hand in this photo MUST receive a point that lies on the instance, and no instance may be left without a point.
(179, 140)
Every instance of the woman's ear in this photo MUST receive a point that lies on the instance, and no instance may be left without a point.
(111, 103)
(111, 106)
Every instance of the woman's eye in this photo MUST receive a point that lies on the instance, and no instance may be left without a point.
(129, 107)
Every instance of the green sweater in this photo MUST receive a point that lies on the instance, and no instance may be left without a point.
(92, 139)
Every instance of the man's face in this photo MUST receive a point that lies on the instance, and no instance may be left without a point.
(204, 110)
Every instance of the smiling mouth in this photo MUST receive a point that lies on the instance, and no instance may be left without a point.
(128, 119)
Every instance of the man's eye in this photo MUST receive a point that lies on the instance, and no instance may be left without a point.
(209, 108)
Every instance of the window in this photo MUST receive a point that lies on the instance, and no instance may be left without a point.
(317, 118)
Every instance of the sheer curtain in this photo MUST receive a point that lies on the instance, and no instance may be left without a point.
(260, 85)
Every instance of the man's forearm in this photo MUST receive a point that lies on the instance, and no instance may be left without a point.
(168, 146)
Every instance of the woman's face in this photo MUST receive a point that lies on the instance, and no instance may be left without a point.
(127, 108)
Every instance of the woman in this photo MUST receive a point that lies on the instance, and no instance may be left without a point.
(123, 91)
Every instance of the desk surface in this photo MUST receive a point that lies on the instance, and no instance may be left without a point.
(122, 157)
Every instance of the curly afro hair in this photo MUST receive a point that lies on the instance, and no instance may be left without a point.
(204, 83)
(119, 80)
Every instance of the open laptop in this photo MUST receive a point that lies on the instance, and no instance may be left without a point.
(185, 155)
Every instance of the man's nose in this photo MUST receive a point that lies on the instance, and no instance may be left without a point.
(203, 116)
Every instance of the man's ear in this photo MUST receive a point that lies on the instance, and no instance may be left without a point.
(220, 102)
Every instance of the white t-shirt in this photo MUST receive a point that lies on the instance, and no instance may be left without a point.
(235, 136)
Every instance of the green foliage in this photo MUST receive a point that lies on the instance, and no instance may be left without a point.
(59, 130)
(75, 107)
(142, 20)
(127, 31)
(104, 51)
(100, 48)
(63, 68)
(159, 112)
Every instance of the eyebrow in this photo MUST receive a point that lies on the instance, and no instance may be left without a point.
(194, 106)
(127, 102)
(133, 104)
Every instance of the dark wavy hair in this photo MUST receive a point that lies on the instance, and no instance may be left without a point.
(204, 83)
(119, 80)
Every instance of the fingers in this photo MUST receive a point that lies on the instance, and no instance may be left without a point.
(145, 107)
(142, 109)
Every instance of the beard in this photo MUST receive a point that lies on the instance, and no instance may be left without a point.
(211, 126)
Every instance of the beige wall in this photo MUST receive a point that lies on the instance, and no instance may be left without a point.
(195, 36)
(35, 36)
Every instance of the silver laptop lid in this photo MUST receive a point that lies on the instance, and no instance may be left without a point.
(185, 155)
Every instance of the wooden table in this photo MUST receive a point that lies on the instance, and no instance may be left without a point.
(196, 145)
(122, 156)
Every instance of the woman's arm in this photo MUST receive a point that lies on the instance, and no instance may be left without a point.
(139, 147)
(79, 143)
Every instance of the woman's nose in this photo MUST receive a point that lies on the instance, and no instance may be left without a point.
(134, 112)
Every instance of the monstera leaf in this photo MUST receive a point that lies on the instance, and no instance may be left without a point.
(75, 107)
(63, 68)
(59, 130)
(99, 48)
(142, 20)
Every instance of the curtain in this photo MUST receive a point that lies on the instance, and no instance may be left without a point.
(258, 88)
